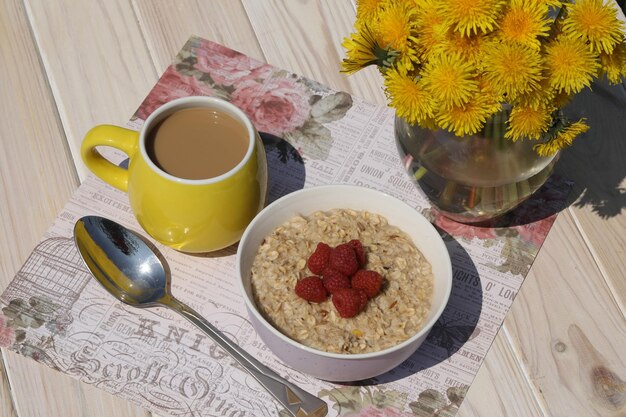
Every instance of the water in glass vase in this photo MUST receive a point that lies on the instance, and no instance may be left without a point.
(474, 178)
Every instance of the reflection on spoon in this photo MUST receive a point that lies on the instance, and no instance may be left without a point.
(131, 271)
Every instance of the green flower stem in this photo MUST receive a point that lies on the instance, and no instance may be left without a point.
(448, 193)
(504, 117)
(421, 171)
(523, 188)
(473, 198)
(488, 129)
(385, 56)
(498, 197)
(498, 131)
(510, 194)
(486, 198)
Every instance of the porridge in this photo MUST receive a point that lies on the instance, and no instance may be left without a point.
(393, 315)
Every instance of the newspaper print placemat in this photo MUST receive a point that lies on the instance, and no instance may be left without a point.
(55, 313)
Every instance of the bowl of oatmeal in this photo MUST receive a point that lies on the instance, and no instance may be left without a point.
(365, 327)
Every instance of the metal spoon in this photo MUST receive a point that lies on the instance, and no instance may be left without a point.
(131, 271)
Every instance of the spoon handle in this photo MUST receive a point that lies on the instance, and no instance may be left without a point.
(297, 401)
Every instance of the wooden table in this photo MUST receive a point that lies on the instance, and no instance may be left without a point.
(67, 65)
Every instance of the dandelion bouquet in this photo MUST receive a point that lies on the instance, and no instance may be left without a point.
(453, 64)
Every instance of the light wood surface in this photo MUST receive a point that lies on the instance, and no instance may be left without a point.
(67, 65)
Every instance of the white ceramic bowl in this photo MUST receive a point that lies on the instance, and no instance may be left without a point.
(335, 366)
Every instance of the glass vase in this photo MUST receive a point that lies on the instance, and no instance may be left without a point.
(474, 178)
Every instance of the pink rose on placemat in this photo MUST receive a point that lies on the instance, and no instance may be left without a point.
(171, 85)
(457, 229)
(278, 107)
(7, 335)
(536, 232)
(373, 411)
(228, 67)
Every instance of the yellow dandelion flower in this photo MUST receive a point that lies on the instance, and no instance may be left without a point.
(471, 48)
(488, 90)
(366, 11)
(571, 64)
(593, 21)
(428, 12)
(432, 31)
(362, 50)
(472, 16)
(449, 79)
(512, 69)
(562, 139)
(548, 3)
(432, 40)
(465, 119)
(425, 5)
(528, 122)
(542, 96)
(408, 96)
(525, 22)
(613, 65)
(429, 123)
(561, 99)
(491, 100)
(395, 28)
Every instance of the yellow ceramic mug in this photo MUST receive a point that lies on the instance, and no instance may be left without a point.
(188, 215)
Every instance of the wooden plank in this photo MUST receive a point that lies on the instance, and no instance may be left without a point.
(96, 60)
(597, 164)
(167, 25)
(32, 147)
(7, 409)
(62, 395)
(305, 37)
(500, 374)
(568, 330)
(37, 173)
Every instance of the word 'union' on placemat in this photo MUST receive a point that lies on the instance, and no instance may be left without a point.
(55, 313)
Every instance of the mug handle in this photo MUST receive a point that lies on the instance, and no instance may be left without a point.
(125, 140)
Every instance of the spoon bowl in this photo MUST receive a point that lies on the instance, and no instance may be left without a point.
(131, 270)
(121, 261)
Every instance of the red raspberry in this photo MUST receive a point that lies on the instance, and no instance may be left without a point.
(359, 251)
(319, 258)
(343, 259)
(311, 289)
(368, 281)
(334, 280)
(349, 301)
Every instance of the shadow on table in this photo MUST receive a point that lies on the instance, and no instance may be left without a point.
(286, 172)
(596, 161)
(457, 325)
